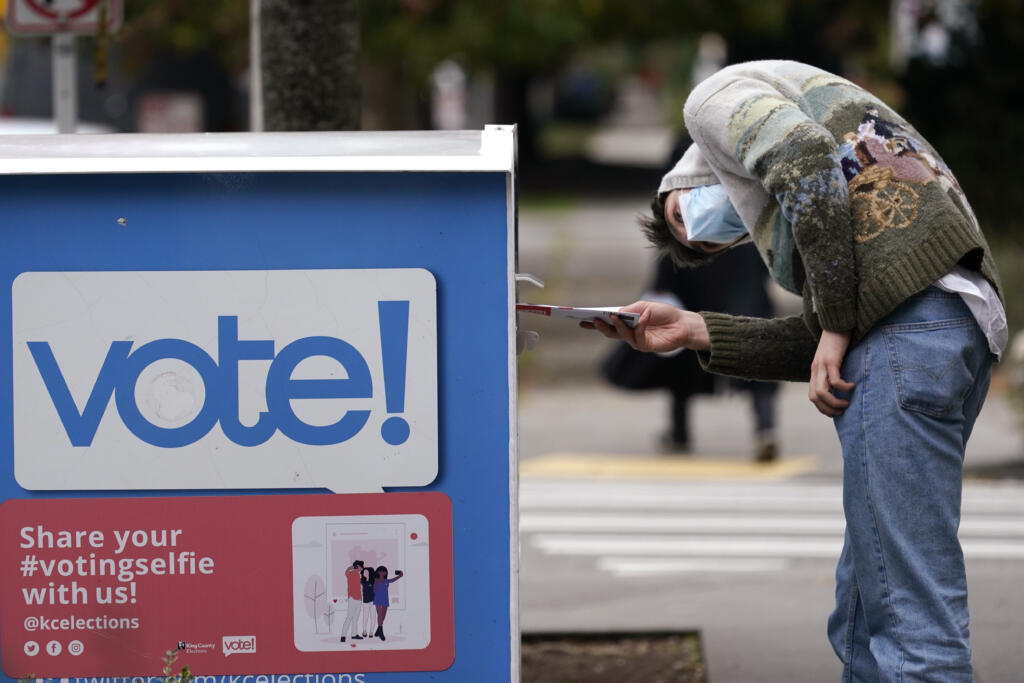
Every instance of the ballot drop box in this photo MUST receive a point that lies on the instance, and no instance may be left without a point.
(258, 407)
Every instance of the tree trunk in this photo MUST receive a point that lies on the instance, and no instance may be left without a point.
(310, 64)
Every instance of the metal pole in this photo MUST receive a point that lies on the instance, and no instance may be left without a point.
(255, 69)
(65, 82)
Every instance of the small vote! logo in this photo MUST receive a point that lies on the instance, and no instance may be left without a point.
(233, 645)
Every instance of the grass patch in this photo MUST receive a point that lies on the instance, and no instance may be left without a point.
(547, 202)
(559, 140)
(612, 658)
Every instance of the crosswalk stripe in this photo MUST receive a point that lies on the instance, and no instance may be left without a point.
(733, 546)
(653, 566)
(765, 497)
(1005, 492)
(673, 500)
(540, 522)
(650, 528)
(772, 546)
(722, 487)
(603, 465)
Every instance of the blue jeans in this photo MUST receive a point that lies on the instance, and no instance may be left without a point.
(901, 592)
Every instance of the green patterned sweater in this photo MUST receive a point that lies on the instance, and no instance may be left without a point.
(849, 206)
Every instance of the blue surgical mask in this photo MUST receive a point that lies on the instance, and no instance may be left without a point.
(709, 216)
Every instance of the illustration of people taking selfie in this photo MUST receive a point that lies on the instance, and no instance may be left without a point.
(380, 596)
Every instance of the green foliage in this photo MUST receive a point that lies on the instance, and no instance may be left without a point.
(186, 26)
(183, 676)
(972, 111)
(537, 36)
(526, 35)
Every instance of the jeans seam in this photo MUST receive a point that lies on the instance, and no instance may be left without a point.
(929, 325)
(875, 538)
(851, 615)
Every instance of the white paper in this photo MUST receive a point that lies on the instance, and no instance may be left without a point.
(588, 314)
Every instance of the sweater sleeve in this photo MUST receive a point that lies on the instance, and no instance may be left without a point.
(758, 348)
(748, 127)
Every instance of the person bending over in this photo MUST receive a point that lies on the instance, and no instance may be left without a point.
(853, 210)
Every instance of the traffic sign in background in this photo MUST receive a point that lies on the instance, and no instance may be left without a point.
(45, 17)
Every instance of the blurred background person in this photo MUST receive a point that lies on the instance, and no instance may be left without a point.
(735, 283)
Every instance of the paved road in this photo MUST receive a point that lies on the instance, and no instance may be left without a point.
(748, 564)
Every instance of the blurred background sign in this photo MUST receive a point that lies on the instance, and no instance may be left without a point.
(170, 112)
(62, 19)
(43, 17)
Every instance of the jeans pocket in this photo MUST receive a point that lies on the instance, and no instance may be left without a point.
(933, 363)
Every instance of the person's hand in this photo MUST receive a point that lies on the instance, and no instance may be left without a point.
(659, 327)
(825, 373)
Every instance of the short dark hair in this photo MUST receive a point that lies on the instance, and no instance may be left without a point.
(359, 563)
(655, 227)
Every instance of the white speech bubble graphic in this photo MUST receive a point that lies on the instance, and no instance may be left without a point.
(225, 379)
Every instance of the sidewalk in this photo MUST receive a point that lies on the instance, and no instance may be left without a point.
(591, 420)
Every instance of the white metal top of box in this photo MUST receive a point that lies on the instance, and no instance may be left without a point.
(490, 149)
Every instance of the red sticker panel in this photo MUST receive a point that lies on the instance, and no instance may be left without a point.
(239, 584)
